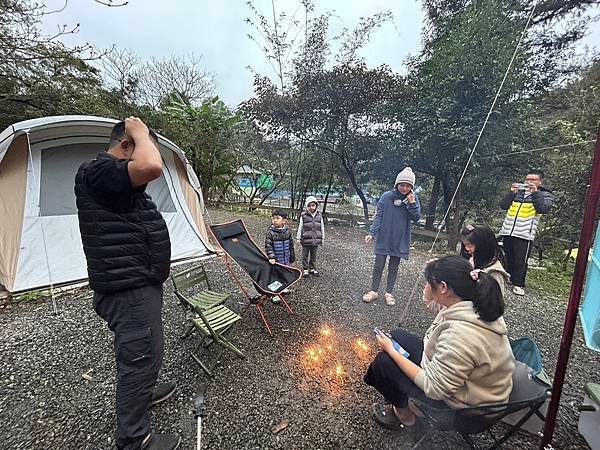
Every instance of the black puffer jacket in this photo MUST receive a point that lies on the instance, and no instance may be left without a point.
(279, 245)
(125, 239)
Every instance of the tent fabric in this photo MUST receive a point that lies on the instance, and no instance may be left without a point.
(267, 278)
(190, 196)
(13, 177)
(39, 217)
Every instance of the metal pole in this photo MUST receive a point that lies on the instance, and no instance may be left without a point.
(585, 241)
(199, 433)
(199, 410)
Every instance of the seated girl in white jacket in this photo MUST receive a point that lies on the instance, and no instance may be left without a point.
(464, 359)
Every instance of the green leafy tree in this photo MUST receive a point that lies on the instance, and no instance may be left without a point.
(206, 133)
(451, 86)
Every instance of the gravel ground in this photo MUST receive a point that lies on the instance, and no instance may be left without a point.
(45, 403)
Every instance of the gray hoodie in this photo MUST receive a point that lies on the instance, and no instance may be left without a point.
(466, 361)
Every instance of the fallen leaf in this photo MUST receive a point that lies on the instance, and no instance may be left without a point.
(281, 426)
(85, 376)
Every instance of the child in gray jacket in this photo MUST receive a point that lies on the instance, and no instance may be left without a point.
(311, 233)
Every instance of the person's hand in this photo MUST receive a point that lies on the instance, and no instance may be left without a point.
(134, 127)
(368, 238)
(514, 187)
(385, 343)
(532, 187)
(411, 197)
(272, 261)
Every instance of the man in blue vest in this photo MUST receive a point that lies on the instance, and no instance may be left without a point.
(128, 251)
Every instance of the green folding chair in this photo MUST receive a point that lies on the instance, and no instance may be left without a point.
(187, 282)
(208, 316)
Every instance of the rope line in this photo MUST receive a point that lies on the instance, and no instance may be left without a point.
(552, 147)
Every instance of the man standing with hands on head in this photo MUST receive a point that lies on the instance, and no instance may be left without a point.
(128, 251)
(524, 204)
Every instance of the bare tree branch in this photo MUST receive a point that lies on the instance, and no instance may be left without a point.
(160, 78)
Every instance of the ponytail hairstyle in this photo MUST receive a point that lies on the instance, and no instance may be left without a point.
(467, 284)
(487, 250)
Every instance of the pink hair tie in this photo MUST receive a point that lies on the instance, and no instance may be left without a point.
(475, 274)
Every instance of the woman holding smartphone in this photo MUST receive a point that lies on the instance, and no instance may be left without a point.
(463, 360)
(391, 230)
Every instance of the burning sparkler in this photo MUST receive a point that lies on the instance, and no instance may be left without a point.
(338, 371)
(326, 331)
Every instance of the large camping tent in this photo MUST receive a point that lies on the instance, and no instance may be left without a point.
(39, 231)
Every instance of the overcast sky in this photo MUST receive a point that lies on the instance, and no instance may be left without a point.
(217, 31)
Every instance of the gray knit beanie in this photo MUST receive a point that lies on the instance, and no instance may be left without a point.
(406, 176)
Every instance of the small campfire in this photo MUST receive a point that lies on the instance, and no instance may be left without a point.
(332, 360)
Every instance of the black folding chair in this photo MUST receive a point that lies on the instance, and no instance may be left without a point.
(527, 396)
(269, 280)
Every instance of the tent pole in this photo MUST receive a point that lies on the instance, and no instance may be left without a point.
(585, 241)
(41, 220)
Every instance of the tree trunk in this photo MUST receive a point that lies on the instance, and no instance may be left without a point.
(224, 191)
(303, 198)
(453, 218)
(327, 195)
(432, 206)
(448, 223)
(358, 190)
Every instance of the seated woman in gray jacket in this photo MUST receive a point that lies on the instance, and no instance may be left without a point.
(464, 359)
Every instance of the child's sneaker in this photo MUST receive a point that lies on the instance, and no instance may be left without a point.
(306, 272)
(275, 300)
(286, 291)
(314, 273)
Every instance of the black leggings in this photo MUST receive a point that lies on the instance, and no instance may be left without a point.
(385, 375)
(378, 272)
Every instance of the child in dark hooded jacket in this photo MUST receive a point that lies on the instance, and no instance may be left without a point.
(279, 244)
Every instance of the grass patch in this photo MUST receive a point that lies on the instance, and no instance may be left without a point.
(551, 280)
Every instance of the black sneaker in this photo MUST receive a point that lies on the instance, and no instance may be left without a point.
(306, 272)
(162, 392)
(162, 442)
(314, 273)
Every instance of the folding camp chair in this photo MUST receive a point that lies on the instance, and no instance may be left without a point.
(269, 280)
(528, 395)
(186, 285)
(207, 314)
